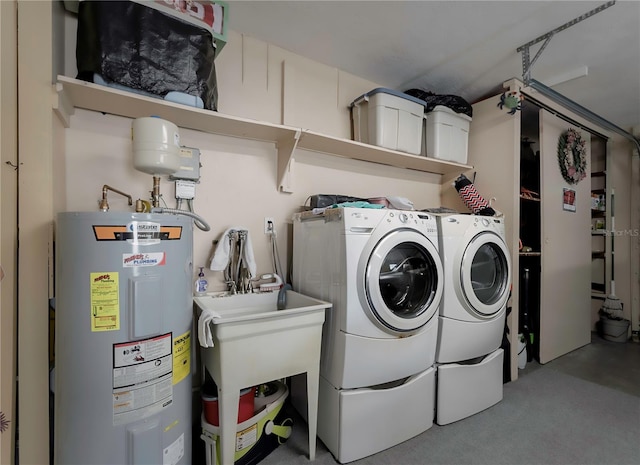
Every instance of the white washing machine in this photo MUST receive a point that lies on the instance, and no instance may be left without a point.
(477, 280)
(382, 272)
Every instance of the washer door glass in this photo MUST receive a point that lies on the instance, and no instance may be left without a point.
(485, 274)
(403, 280)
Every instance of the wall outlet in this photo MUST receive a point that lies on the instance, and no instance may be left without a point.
(268, 225)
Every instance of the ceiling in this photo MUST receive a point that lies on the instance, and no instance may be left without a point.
(465, 48)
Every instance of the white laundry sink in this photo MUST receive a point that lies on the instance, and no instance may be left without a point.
(255, 313)
(254, 342)
(251, 330)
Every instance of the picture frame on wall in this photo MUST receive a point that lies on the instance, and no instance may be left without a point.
(568, 199)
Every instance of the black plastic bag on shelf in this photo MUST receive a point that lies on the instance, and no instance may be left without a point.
(145, 50)
(454, 102)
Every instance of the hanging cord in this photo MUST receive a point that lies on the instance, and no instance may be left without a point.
(231, 284)
(275, 255)
(238, 275)
(197, 219)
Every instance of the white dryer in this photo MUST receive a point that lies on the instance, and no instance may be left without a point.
(382, 272)
(477, 272)
(477, 283)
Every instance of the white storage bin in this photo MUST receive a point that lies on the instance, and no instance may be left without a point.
(447, 135)
(390, 119)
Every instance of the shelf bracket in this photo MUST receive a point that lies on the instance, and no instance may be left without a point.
(286, 149)
(62, 105)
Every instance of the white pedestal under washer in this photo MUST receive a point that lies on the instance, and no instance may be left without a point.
(477, 272)
(382, 272)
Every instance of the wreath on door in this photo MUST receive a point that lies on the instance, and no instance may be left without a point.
(572, 156)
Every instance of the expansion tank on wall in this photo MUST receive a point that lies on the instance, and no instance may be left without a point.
(123, 338)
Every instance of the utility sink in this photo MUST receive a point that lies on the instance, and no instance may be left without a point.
(258, 307)
(254, 343)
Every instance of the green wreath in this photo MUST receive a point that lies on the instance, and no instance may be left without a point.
(572, 156)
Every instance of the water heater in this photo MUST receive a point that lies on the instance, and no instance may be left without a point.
(123, 338)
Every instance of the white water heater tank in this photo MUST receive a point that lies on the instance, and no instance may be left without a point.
(156, 146)
(124, 314)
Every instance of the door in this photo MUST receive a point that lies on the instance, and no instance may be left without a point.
(565, 288)
(8, 226)
(403, 281)
(485, 274)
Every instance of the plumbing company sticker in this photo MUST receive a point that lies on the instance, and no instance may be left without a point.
(130, 260)
(181, 357)
(105, 301)
(142, 378)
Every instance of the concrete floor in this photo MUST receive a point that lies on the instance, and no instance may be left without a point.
(612, 364)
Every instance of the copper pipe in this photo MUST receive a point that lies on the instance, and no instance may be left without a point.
(155, 194)
(104, 205)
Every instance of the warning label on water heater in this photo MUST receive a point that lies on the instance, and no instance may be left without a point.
(142, 378)
(181, 357)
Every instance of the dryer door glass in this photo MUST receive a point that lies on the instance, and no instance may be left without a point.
(403, 281)
(485, 274)
(489, 274)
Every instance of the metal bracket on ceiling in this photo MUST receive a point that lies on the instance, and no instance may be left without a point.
(527, 63)
(559, 98)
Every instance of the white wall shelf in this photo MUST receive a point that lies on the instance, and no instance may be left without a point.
(72, 93)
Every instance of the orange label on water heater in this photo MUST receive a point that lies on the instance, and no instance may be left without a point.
(105, 301)
(126, 233)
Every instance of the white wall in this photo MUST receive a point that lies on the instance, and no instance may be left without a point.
(238, 185)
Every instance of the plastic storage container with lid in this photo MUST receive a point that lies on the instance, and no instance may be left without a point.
(388, 118)
(447, 135)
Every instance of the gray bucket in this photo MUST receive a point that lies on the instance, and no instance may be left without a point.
(615, 330)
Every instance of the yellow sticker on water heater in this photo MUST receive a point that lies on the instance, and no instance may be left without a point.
(181, 357)
(105, 301)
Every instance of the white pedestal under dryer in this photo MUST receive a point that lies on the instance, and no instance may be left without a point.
(477, 273)
(382, 272)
